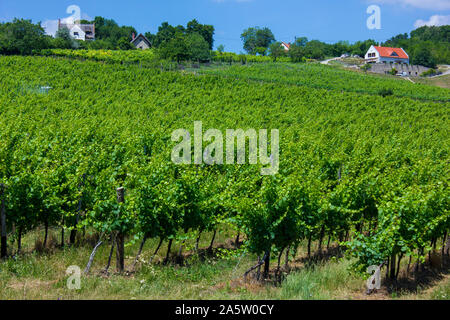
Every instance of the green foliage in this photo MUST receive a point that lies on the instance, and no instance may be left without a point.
(125, 44)
(221, 48)
(351, 162)
(198, 47)
(423, 57)
(206, 31)
(431, 72)
(166, 33)
(276, 51)
(393, 72)
(317, 76)
(257, 40)
(366, 67)
(386, 91)
(63, 40)
(426, 45)
(22, 37)
(175, 49)
(109, 30)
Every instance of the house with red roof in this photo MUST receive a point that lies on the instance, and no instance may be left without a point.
(386, 55)
(286, 46)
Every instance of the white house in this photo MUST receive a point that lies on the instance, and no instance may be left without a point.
(385, 55)
(79, 31)
(141, 42)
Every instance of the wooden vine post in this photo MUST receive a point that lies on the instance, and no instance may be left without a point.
(120, 242)
(4, 250)
(73, 233)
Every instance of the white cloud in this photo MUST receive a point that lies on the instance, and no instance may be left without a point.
(435, 20)
(421, 4)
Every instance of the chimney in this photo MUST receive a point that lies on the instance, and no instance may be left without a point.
(133, 36)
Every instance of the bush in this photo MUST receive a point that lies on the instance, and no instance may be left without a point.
(385, 92)
(431, 72)
(393, 71)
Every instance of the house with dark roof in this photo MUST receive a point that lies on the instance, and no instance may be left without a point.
(377, 54)
(79, 31)
(141, 42)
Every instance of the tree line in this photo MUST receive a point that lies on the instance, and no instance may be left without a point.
(194, 42)
(427, 46)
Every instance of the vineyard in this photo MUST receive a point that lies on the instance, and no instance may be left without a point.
(326, 77)
(85, 148)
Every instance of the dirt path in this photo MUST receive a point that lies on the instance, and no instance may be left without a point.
(328, 60)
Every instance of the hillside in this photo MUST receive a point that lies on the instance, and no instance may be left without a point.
(363, 179)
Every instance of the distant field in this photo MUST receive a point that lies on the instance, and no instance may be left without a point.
(331, 78)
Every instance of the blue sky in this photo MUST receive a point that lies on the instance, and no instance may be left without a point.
(325, 20)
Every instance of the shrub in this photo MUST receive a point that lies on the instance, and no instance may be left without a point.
(430, 72)
(385, 92)
(393, 71)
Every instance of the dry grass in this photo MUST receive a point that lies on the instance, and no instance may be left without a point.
(441, 81)
(42, 275)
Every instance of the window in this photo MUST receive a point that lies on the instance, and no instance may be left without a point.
(76, 34)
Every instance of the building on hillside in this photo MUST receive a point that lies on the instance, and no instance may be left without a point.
(286, 46)
(386, 55)
(141, 42)
(79, 31)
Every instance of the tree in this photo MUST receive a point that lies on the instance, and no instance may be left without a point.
(150, 37)
(22, 37)
(175, 49)
(198, 47)
(432, 33)
(255, 38)
(206, 31)
(361, 47)
(124, 44)
(297, 49)
(63, 39)
(276, 50)
(301, 42)
(315, 49)
(423, 57)
(108, 29)
(165, 33)
(221, 48)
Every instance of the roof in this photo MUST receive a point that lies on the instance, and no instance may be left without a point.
(392, 52)
(89, 29)
(84, 27)
(287, 45)
(141, 37)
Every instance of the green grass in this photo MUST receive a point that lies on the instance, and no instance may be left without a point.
(42, 276)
